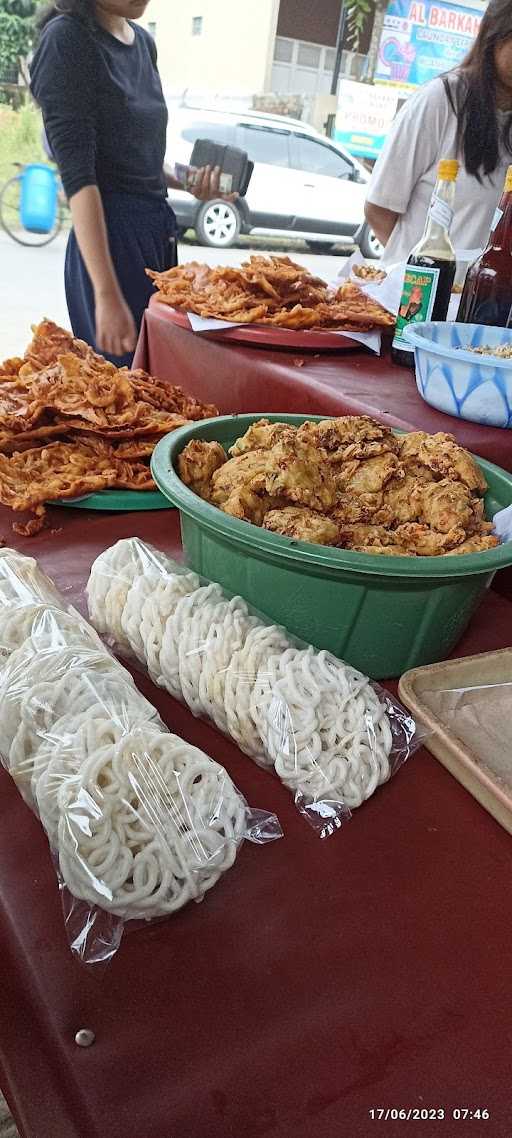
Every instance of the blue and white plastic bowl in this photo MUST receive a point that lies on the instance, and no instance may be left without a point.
(457, 381)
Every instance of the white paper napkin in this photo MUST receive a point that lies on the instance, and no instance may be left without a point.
(502, 522)
(204, 324)
(387, 292)
(371, 340)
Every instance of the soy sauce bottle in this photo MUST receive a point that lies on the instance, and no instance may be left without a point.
(430, 270)
(487, 294)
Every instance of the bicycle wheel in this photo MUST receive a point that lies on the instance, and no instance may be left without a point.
(10, 218)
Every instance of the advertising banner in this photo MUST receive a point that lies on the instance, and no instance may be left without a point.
(421, 40)
(364, 116)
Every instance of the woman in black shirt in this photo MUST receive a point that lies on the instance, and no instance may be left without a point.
(95, 76)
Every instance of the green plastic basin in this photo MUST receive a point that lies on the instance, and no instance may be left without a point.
(384, 615)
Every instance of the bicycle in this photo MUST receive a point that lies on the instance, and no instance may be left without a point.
(12, 208)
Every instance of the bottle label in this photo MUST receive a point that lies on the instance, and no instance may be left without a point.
(440, 212)
(417, 303)
(497, 218)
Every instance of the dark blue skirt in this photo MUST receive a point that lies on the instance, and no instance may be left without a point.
(142, 234)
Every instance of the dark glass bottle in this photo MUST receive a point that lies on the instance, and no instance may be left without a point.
(430, 269)
(487, 294)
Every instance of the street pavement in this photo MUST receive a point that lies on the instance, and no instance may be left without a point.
(32, 280)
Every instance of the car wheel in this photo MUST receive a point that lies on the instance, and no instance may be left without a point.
(218, 224)
(320, 247)
(369, 244)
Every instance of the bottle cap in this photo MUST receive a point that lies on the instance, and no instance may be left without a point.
(448, 169)
(508, 181)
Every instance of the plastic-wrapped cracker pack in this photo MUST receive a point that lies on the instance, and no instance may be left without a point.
(139, 822)
(331, 736)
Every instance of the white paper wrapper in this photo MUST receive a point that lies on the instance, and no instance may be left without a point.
(502, 522)
(387, 292)
(201, 324)
(371, 340)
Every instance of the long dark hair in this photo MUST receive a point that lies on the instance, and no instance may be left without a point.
(471, 91)
(82, 10)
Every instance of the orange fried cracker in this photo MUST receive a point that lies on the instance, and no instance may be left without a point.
(269, 290)
(72, 423)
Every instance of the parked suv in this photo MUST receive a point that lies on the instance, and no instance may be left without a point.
(303, 184)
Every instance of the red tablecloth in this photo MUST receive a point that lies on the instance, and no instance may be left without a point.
(246, 379)
(317, 981)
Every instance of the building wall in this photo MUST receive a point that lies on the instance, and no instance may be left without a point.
(233, 51)
(314, 22)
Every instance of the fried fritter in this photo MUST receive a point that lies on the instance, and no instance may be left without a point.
(349, 482)
(247, 470)
(475, 545)
(66, 470)
(445, 505)
(48, 343)
(10, 368)
(303, 525)
(345, 430)
(383, 550)
(370, 477)
(268, 290)
(197, 464)
(73, 389)
(349, 296)
(298, 472)
(445, 458)
(343, 442)
(417, 470)
(168, 397)
(287, 470)
(441, 505)
(363, 451)
(106, 420)
(367, 535)
(478, 524)
(420, 539)
(400, 502)
(262, 436)
(369, 273)
(351, 508)
(132, 449)
(243, 503)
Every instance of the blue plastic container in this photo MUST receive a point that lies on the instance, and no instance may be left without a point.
(38, 203)
(460, 382)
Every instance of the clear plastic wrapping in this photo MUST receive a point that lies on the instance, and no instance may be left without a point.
(331, 736)
(469, 702)
(139, 822)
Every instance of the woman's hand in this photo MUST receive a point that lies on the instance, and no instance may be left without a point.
(204, 184)
(116, 333)
(115, 327)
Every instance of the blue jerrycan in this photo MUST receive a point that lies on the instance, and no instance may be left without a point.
(38, 203)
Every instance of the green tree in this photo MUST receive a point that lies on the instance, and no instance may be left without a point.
(17, 27)
(359, 13)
